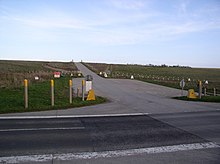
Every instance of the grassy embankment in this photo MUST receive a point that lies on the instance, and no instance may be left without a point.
(12, 90)
(166, 76)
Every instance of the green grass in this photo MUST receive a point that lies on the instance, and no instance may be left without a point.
(12, 100)
(203, 99)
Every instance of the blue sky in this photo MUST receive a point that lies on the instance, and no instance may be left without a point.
(184, 32)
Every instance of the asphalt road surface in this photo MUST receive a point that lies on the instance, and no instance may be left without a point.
(94, 139)
(139, 124)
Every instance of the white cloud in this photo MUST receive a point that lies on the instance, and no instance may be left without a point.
(127, 4)
(114, 28)
(182, 7)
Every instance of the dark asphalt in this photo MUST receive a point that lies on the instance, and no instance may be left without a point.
(205, 124)
(49, 136)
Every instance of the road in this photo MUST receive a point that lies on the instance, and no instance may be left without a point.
(144, 97)
(139, 124)
(115, 137)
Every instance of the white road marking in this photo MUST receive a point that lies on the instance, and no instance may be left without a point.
(73, 116)
(107, 154)
(40, 129)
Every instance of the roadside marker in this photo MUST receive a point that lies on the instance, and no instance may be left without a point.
(26, 93)
(91, 95)
(71, 91)
(52, 92)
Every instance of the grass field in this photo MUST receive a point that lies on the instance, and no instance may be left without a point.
(13, 73)
(167, 76)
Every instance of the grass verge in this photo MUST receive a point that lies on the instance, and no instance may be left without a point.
(203, 99)
(12, 100)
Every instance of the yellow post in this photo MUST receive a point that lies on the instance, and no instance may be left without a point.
(71, 91)
(83, 94)
(25, 93)
(200, 89)
(52, 92)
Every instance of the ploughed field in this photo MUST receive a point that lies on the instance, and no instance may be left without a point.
(14, 72)
(162, 75)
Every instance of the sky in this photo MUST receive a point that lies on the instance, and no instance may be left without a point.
(171, 32)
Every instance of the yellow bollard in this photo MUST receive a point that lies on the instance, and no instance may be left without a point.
(25, 93)
(71, 91)
(200, 89)
(91, 95)
(52, 92)
(191, 94)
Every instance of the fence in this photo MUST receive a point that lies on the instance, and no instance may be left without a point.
(214, 93)
(171, 81)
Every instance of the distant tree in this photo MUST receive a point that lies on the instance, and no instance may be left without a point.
(164, 65)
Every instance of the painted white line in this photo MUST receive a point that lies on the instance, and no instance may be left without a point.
(73, 116)
(41, 129)
(107, 154)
